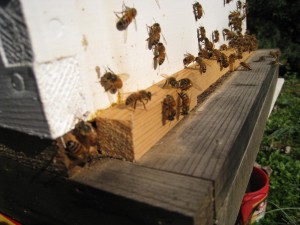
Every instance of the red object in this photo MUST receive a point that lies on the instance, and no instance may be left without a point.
(7, 220)
(254, 202)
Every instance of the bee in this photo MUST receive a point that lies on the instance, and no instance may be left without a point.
(202, 65)
(223, 61)
(77, 153)
(239, 5)
(208, 44)
(203, 53)
(184, 84)
(110, 81)
(201, 34)
(170, 81)
(159, 54)
(85, 134)
(168, 109)
(188, 59)
(227, 2)
(260, 59)
(228, 35)
(183, 102)
(223, 47)
(198, 10)
(231, 60)
(127, 16)
(245, 66)
(154, 33)
(275, 54)
(141, 96)
(215, 36)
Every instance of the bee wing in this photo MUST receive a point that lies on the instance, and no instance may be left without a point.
(155, 62)
(111, 97)
(164, 39)
(124, 76)
(135, 25)
(157, 3)
(125, 35)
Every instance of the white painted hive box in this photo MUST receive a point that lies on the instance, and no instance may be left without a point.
(50, 49)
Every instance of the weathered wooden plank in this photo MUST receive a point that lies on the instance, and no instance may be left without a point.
(228, 212)
(211, 142)
(114, 191)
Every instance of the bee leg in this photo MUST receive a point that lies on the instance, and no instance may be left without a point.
(144, 104)
(134, 105)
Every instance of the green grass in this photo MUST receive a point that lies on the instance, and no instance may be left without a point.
(281, 135)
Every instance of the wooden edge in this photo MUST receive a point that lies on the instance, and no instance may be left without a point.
(173, 197)
(227, 210)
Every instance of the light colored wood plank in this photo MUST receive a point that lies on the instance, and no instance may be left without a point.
(128, 134)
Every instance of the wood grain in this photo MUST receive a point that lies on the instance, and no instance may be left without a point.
(128, 134)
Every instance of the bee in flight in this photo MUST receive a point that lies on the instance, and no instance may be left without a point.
(160, 54)
(109, 81)
(141, 96)
(168, 109)
(198, 10)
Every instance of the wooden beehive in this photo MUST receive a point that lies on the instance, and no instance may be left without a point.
(50, 49)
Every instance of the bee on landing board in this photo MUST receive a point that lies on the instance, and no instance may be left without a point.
(141, 96)
(224, 62)
(231, 60)
(77, 153)
(85, 134)
(160, 54)
(198, 10)
(183, 103)
(223, 47)
(201, 64)
(245, 66)
(168, 109)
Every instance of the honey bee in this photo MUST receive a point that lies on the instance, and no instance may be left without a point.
(154, 33)
(204, 53)
(245, 66)
(215, 36)
(127, 16)
(208, 44)
(202, 65)
(77, 153)
(184, 84)
(227, 2)
(170, 81)
(231, 60)
(228, 35)
(141, 96)
(275, 54)
(168, 109)
(223, 47)
(183, 102)
(188, 59)
(110, 81)
(85, 134)
(238, 5)
(201, 34)
(260, 59)
(198, 10)
(223, 61)
(159, 54)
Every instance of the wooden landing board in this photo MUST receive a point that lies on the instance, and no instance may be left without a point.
(196, 174)
(211, 143)
(128, 134)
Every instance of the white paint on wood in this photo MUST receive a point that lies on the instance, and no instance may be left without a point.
(86, 31)
(279, 84)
